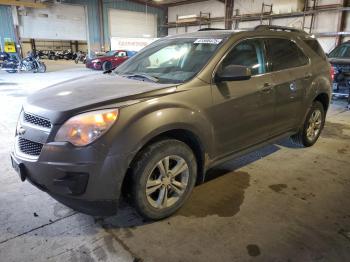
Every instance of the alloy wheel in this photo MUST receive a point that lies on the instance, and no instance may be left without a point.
(167, 182)
(314, 125)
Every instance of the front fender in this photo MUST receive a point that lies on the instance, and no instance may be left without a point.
(144, 127)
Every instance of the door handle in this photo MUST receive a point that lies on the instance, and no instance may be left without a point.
(267, 87)
(308, 76)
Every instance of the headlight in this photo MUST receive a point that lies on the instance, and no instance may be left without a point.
(85, 128)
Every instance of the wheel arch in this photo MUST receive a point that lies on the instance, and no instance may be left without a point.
(324, 99)
(181, 134)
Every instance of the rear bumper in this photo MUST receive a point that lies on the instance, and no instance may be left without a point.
(81, 178)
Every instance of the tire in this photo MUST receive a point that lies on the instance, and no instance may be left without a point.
(42, 68)
(106, 66)
(302, 138)
(147, 171)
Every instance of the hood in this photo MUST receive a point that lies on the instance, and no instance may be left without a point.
(86, 92)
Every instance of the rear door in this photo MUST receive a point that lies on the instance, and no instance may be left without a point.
(291, 72)
(243, 109)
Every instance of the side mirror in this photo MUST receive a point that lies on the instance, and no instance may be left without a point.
(233, 73)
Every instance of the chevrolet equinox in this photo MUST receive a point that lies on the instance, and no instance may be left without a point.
(153, 126)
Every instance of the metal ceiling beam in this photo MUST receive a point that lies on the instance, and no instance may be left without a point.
(22, 3)
(184, 2)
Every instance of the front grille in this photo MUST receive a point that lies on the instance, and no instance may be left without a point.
(36, 120)
(29, 147)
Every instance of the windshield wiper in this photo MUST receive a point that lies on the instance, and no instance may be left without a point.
(140, 75)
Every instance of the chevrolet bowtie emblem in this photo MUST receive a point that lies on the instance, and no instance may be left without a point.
(21, 131)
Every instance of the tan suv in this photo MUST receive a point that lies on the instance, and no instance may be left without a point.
(152, 127)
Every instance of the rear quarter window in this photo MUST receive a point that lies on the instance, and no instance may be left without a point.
(284, 54)
(316, 47)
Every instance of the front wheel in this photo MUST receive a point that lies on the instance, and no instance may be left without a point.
(162, 178)
(312, 127)
(107, 66)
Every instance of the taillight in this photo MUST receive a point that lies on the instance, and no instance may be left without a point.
(332, 73)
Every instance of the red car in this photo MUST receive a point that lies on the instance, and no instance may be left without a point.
(110, 60)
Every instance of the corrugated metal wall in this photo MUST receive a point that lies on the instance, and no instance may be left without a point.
(93, 23)
(6, 24)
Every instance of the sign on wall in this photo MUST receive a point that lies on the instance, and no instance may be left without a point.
(130, 44)
(10, 46)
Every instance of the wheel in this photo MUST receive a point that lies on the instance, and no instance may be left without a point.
(162, 178)
(76, 61)
(312, 127)
(106, 66)
(42, 68)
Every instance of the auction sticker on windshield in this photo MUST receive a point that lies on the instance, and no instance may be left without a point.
(208, 41)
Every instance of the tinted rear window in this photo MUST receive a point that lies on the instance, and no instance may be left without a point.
(315, 46)
(284, 54)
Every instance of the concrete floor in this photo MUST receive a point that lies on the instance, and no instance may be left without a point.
(280, 203)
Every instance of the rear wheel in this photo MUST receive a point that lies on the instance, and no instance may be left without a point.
(163, 178)
(312, 127)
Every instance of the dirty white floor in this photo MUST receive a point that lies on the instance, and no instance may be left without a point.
(280, 203)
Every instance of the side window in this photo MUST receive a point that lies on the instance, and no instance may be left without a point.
(121, 54)
(247, 53)
(284, 54)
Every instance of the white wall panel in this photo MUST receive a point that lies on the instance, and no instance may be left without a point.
(327, 43)
(57, 22)
(216, 9)
(132, 24)
(324, 21)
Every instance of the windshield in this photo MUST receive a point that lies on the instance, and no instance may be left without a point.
(342, 51)
(171, 60)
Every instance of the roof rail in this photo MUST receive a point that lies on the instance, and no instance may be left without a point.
(277, 28)
(209, 29)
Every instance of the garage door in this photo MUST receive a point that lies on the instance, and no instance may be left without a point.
(132, 24)
(58, 22)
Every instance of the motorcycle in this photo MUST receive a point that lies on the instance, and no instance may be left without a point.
(81, 57)
(31, 63)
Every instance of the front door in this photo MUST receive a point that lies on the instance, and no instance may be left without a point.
(243, 110)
